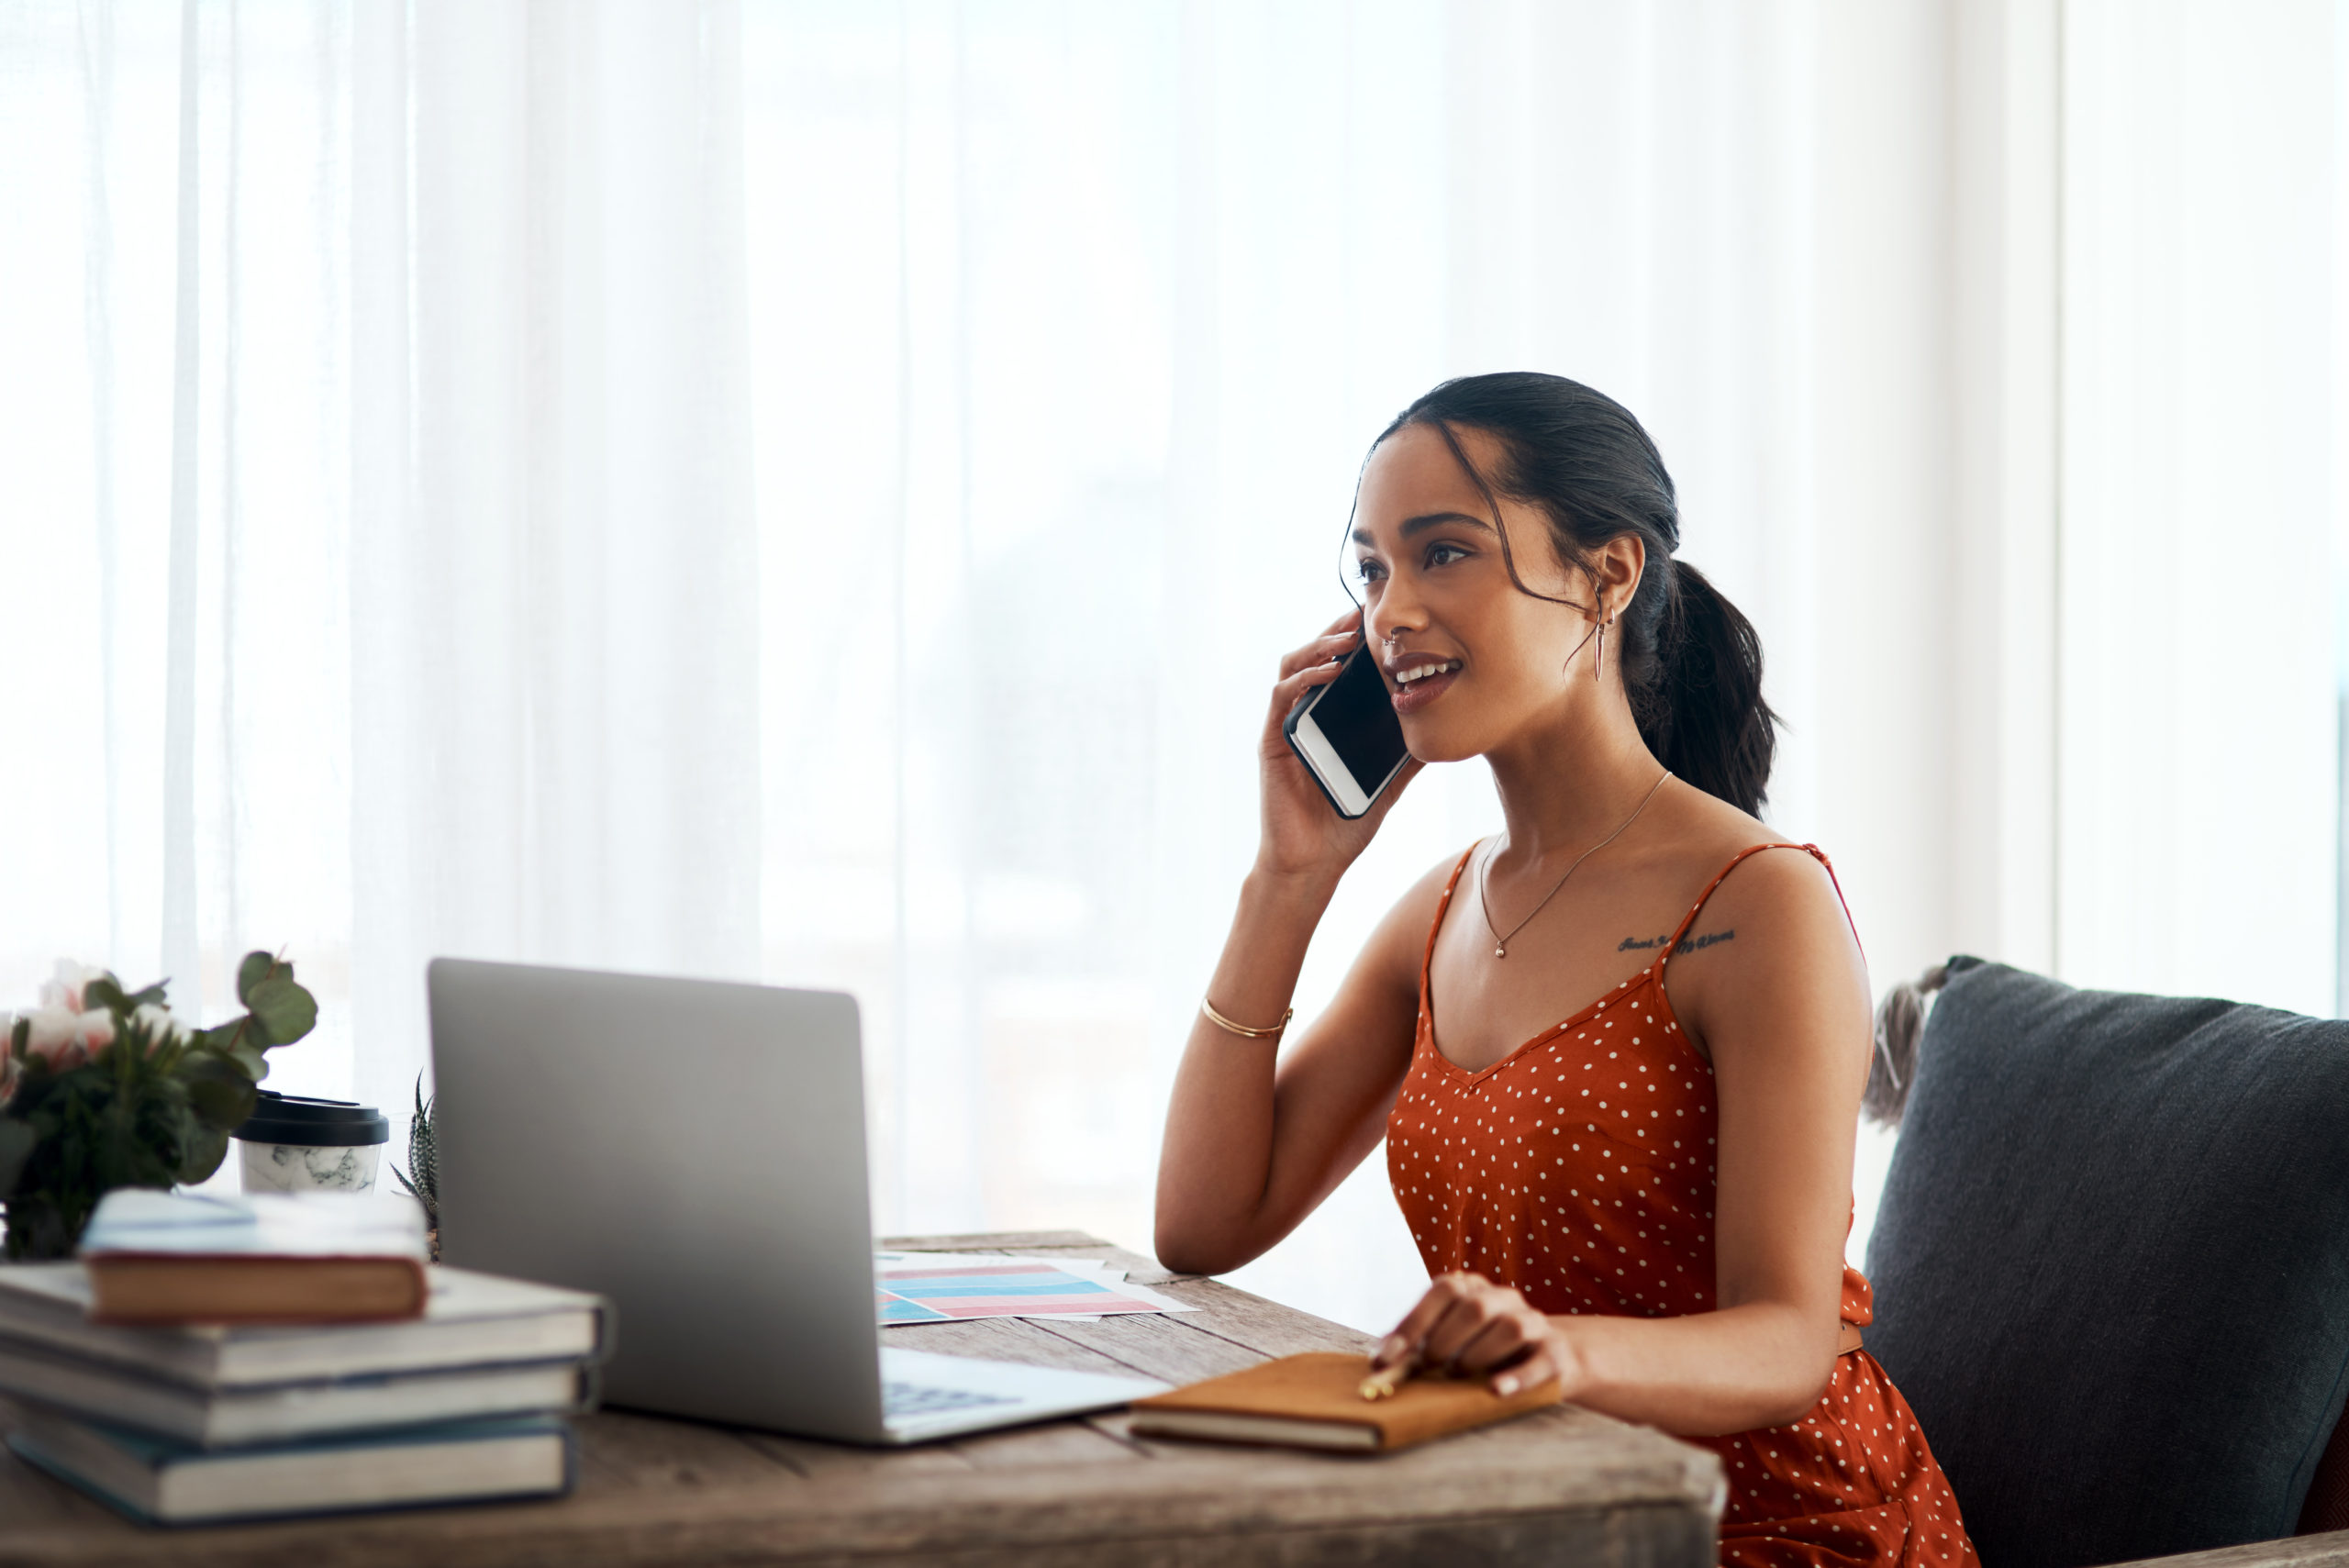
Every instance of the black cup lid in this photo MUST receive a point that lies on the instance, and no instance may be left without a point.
(314, 1124)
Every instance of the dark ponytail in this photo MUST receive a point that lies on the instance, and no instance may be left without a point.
(1691, 665)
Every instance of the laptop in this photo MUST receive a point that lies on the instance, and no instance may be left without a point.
(695, 1150)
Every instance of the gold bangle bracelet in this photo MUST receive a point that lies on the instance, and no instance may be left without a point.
(1218, 1019)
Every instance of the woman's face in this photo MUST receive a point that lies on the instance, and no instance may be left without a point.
(1437, 596)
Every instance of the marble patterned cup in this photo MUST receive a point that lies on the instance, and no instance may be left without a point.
(295, 1144)
(309, 1167)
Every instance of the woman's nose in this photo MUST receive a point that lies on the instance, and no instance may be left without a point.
(1394, 614)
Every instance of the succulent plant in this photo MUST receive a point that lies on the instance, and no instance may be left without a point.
(422, 1177)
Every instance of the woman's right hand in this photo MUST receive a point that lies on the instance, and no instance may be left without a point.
(1303, 834)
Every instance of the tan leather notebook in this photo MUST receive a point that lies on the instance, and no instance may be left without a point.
(1314, 1401)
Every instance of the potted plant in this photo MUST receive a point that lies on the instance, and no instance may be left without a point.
(103, 1088)
(422, 1177)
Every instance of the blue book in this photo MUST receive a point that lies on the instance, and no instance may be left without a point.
(158, 1481)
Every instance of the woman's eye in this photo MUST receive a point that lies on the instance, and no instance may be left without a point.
(1437, 551)
(1367, 569)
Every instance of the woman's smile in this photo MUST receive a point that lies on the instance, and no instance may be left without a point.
(1420, 680)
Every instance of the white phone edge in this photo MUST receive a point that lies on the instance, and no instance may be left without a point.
(1331, 768)
(1335, 776)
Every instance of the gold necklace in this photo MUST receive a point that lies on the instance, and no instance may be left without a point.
(1500, 943)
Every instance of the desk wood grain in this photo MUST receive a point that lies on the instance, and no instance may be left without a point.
(1564, 1486)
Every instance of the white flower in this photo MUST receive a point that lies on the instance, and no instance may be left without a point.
(53, 1037)
(157, 1020)
(94, 1030)
(65, 990)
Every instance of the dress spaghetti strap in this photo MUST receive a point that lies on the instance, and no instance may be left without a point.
(1736, 861)
(1427, 959)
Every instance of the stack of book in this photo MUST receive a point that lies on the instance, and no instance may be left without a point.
(209, 1359)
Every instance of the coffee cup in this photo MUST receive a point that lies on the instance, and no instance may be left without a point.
(293, 1144)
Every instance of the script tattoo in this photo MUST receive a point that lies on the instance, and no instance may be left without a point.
(1688, 944)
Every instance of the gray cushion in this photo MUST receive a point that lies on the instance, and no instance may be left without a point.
(2111, 1266)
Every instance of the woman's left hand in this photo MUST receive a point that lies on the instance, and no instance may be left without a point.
(1469, 1326)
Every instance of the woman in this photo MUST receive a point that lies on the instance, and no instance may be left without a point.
(1618, 1075)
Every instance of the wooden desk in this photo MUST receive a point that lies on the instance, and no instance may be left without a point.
(1564, 1486)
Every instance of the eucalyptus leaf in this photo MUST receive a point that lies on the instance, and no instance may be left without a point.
(254, 968)
(102, 992)
(201, 1156)
(283, 1010)
(220, 1095)
(153, 996)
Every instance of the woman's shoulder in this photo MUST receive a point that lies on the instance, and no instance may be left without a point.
(1770, 932)
(1732, 860)
(1403, 932)
(1777, 874)
(1784, 904)
(1425, 896)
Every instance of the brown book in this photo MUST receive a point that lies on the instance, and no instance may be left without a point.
(133, 1289)
(156, 1258)
(1315, 1401)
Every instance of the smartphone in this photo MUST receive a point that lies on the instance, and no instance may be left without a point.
(1346, 734)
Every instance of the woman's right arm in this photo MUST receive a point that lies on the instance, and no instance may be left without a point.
(1251, 1148)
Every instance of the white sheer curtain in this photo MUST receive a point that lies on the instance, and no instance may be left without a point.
(381, 487)
(1062, 415)
(554, 690)
(174, 430)
(816, 492)
(2205, 443)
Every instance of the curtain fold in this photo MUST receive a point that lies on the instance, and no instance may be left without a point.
(555, 692)
(2204, 523)
(404, 510)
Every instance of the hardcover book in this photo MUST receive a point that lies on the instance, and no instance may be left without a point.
(155, 1480)
(159, 1257)
(469, 1319)
(233, 1417)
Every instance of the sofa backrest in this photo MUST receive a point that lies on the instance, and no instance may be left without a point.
(2112, 1264)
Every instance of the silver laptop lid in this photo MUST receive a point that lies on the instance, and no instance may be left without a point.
(691, 1149)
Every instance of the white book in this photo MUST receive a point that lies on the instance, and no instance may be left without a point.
(156, 1480)
(470, 1319)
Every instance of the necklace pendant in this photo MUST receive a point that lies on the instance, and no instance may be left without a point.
(1500, 951)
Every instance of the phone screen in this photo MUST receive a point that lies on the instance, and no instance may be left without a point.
(1348, 736)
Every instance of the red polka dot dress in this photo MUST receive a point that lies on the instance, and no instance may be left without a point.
(1579, 1168)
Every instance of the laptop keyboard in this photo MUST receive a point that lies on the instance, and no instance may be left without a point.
(928, 1400)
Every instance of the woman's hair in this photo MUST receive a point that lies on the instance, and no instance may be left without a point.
(1691, 663)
